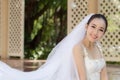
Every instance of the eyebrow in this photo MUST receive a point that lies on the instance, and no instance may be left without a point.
(100, 27)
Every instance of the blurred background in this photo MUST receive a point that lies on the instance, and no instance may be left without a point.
(31, 27)
(45, 26)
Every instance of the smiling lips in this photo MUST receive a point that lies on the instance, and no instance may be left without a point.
(94, 36)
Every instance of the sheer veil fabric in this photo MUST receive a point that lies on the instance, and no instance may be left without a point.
(59, 65)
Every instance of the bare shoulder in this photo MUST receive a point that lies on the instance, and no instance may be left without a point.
(78, 49)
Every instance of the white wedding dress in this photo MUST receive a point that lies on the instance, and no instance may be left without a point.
(93, 66)
(60, 63)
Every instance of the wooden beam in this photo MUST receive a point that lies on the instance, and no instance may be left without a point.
(92, 6)
(4, 26)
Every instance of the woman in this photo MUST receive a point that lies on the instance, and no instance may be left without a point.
(87, 52)
(69, 60)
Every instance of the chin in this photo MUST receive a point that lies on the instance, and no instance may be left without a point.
(92, 40)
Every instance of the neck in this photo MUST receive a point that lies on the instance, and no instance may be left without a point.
(87, 43)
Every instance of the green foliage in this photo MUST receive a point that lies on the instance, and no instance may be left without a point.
(113, 21)
(36, 28)
(45, 26)
(113, 62)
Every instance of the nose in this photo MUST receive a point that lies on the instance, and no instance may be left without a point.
(95, 32)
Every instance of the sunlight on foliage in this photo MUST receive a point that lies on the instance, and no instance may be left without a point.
(113, 21)
(45, 26)
(36, 28)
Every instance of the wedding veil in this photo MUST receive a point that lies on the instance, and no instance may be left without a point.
(59, 65)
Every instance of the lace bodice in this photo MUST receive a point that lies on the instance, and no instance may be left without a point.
(93, 66)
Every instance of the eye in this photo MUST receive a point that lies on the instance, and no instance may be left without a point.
(93, 26)
(101, 30)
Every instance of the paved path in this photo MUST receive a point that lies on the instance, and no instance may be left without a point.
(113, 72)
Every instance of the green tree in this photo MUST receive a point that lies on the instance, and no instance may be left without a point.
(45, 26)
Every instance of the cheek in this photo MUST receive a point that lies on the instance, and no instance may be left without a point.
(87, 32)
(101, 35)
(89, 29)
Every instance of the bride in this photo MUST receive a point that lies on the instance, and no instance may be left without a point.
(77, 57)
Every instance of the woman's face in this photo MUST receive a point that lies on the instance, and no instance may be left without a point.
(95, 29)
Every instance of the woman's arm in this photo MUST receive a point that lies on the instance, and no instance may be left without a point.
(104, 75)
(79, 60)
